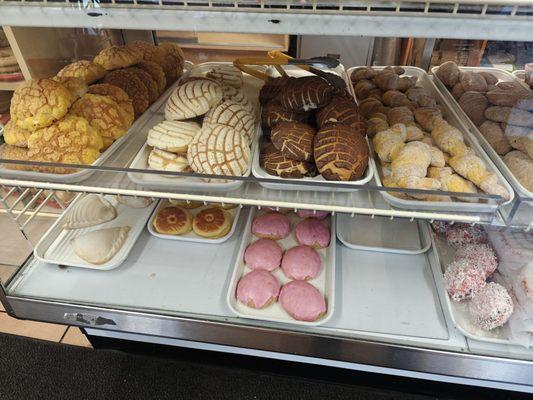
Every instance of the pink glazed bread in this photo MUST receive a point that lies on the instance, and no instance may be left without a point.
(272, 225)
(312, 214)
(301, 263)
(258, 289)
(312, 232)
(263, 254)
(302, 301)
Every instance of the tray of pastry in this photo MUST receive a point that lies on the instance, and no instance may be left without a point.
(285, 268)
(193, 221)
(301, 141)
(492, 112)
(214, 133)
(467, 271)
(421, 143)
(97, 105)
(95, 232)
(381, 234)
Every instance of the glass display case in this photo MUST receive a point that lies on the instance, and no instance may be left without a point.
(389, 240)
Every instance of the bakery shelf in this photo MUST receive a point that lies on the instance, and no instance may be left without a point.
(153, 294)
(473, 19)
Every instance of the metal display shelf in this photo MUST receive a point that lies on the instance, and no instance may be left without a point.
(473, 19)
(388, 312)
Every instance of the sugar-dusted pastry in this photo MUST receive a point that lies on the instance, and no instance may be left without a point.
(301, 263)
(86, 70)
(233, 115)
(219, 150)
(479, 254)
(39, 103)
(134, 201)
(192, 99)
(103, 114)
(312, 214)
(491, 307)
(294, 140)
(302, 301)
(116, 57)
(472, 81)
(271, 225)
(116, 93)
(173, 136)
(495, 135)
(172, 220)
(474, 105)
(133, 86)
(448, 73)
(306, 93)
(212, 223)
(187, 204)
(263, 254)
(165, 161)
(15, 135)
(91, 210)
(226, 75)
(312, 232)
(71, 140)
(76, 86)
(459, 235)
(463, 279)
(521, 166)
(275, 163)
(258, 289)
(99, 246)
(156, 72)
(148, 82)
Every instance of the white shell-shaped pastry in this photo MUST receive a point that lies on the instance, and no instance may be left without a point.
(233, 115)
(226, 75)
(134, 202)
(162, 160)
(173, 136)
(100, 246)
(192, 99)
(92, 210)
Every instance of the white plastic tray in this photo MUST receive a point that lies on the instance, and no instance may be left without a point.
(457, 206)
(325, 282)
(86, 173)
(251, 89)
(259, 172)
(498, 160)
(54, 247)
(382, 234)
(191, 236)
(444, 255)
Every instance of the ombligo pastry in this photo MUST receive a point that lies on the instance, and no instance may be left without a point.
(100, 246)
(89, 211)
(302, 301)
(212, 223)
(172, 221)
(258, 289)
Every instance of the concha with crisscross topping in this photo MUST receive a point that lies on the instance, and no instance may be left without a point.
(192, 99)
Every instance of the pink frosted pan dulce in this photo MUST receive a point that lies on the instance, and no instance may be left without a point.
(302, 301)
(258, 289)
(272, 225)
(301, 263)
(312, 232)
(312, 214)
(263, 254)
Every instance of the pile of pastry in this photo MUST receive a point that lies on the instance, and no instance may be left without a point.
(74, 116)
(503, 112)
(211, 222)
(311, 128)
(469, 278)
(416, 146)
(301, 264)
(100, 245)
(209, 125)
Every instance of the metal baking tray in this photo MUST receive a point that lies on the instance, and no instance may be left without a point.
(325, 282)
(498, 160)
(149, 180)
(484, 206)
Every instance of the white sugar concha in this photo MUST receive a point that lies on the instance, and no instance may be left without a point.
(237, 95)
(91, 210)
(219, 150)
(165, 161)
(173, 136)
(100, 246)
(192, 99)
(233, 115)
(226, 75)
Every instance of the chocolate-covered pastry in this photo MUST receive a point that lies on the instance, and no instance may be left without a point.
(341, 154)
(272, 88)
(344, 111)
(294, 140)
(273, 113)
(276, 164)
(306, 93)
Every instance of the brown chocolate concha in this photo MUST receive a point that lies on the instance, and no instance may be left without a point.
(341, 154)
(294, 140)
(271, 89)
(274, 112)
(344, 111)
(276, 164)
(306, 93)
